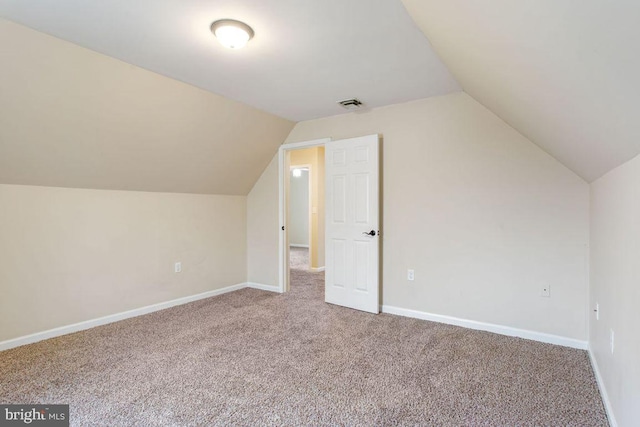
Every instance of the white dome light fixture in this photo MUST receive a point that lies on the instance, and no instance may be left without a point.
(231, 33)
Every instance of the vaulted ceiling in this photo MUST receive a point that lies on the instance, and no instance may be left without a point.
(305, 56)
(70, 117)
(101, 104)
(562, 72)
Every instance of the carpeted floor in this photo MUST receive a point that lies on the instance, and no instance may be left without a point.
(298, 258)
(257, 358)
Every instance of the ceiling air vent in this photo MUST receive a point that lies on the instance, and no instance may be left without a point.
(351, 104)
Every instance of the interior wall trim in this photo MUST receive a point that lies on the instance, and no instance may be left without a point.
(262, 287)
(87, 324)
(489, 327)
(603, 391)
(283, 273)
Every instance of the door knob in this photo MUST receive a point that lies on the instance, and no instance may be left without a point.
(370, 233)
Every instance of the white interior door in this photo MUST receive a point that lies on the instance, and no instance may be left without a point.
(352, 213)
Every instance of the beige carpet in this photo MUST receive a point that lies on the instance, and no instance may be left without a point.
(256, 358)
(299, 258)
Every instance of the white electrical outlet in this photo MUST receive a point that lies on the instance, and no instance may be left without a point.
(597, 310)
(410, 275)
(611, 340)
(545, 291)
(178, 267)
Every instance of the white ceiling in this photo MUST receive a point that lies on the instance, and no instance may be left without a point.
(562, 72)
(306, 54)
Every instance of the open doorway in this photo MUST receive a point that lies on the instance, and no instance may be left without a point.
(300, 206)
(304, 219)
(353, 200)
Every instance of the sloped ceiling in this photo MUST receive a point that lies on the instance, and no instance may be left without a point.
(565, 73)
(70, 117)
(306, 54)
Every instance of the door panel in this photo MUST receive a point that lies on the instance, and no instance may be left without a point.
(352, 212)
(361, 199)
(361, 265)
(338, 253)
(339, 198)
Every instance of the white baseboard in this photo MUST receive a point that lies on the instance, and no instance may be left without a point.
(81, 326)
(262, 287)
(489, 327)
(603, 391)
(295, 245)
(317, 269)
(504, 330)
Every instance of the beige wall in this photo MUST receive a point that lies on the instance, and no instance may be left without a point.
(615, 287)
(483, 216)
(314, 156)
(263, 229)
(70, 117)
(70, 255)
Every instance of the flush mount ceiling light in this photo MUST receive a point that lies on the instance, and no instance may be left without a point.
(231, 33)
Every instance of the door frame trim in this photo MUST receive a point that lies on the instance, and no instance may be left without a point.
(283, 282)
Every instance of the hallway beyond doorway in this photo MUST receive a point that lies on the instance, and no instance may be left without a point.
(301, 275)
